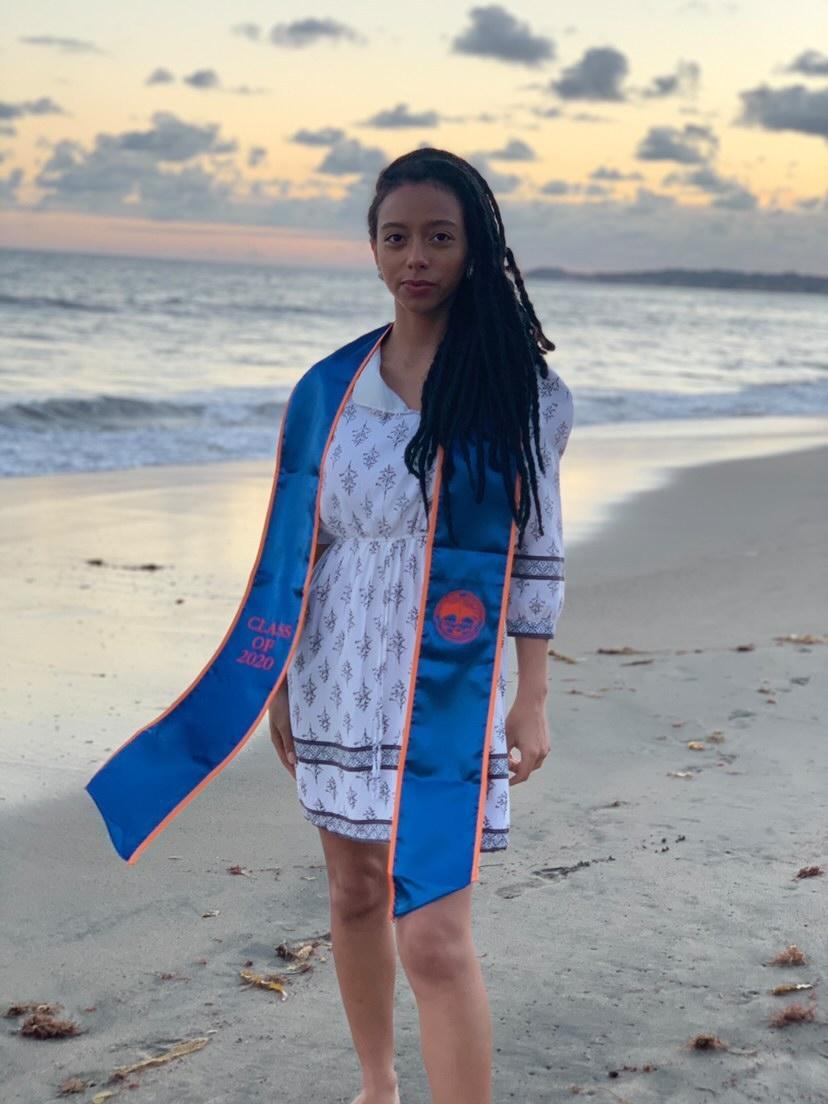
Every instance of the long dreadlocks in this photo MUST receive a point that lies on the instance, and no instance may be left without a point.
(482, 384)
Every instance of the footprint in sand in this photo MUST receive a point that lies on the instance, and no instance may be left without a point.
(741, 715)
(546, 874)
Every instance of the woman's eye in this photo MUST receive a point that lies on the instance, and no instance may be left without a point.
(440, 233)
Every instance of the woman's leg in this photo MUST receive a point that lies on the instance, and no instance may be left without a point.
(440, 961)
(365, 957)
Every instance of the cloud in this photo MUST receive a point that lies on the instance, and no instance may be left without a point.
(514, 150)
(497, 181)
(180, 175)
(573, 187)
(45, 105)
(794, 108)
(810, 63)
(692, 145)
(559, 187)
(146, 174)
(546, 112)
(65, 45)
(348, 155)
(727, 191)
(597, 76)
(141, 173)
(255, 156)
(202, 78)
(169, 139)
(683, 82)
(706, 179)
(9, 185)
(603, 173)
(307, 32)
(247, 30)
(739, 199)
(160, 76)
(589, 117)
(647, 201)
(192, 192)
(495, 33)
(400, 116)
(656, 231)
(597, 190)
(325, 136)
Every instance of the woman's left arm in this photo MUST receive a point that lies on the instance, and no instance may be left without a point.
(536, 594)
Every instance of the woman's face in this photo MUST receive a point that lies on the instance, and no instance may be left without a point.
(421, 236)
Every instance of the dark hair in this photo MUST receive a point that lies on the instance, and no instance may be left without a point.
(482, 384)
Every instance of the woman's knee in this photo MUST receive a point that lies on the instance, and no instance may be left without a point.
(435, 946)
(357, 877)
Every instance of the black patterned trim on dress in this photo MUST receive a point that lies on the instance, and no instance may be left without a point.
(355, 825)
(537, 567)
(355, 758)
(522, 626)
(379, 831)
(328, 753)
(495, 839)
(498, 764)
(533, 635)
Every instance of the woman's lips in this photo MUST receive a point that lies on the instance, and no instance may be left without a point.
(418, 288)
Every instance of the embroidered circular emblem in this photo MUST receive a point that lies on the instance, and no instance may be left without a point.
(459, 616)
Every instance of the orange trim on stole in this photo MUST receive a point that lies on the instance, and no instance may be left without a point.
(501, 624)
(395, 816)
(136, 854)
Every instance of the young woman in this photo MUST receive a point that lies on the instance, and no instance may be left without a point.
(463, 356)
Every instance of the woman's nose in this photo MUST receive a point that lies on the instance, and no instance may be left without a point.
(416, 254)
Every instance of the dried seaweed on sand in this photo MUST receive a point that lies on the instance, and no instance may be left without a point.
(178, 1050)
(791, 956)
(793, 1013)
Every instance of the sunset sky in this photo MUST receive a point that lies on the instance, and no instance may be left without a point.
(668, 132)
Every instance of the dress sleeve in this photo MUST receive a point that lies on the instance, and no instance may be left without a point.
(536, 583)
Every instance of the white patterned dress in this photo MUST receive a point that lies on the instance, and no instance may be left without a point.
(349, 678)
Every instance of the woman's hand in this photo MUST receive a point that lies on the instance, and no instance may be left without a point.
(281, 733)
(527, 730)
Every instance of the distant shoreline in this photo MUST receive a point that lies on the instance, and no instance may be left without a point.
(688, 277)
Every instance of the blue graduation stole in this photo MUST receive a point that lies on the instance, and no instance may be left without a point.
(442, 775)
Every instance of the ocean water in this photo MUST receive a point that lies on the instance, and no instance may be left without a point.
(113, 362)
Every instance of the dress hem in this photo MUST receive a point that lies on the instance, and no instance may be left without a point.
(379, 831)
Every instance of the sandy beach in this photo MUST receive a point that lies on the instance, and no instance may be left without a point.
(648, 883)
